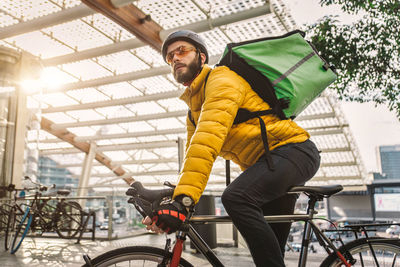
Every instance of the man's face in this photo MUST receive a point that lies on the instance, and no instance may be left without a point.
(184, 61)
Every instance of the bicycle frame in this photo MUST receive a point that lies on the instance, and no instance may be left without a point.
(309, 228)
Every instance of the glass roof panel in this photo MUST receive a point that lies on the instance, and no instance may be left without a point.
(216, 41)
(53, 48)
(172, 14)
(86, 70)
(57, 99)
(56, 76)
(172, 104)
(145, 108)
(6, 20)
(138, 126)
(67, 3)
(115, 112)
(59, 117)
(149, 55)
(79, 131)
(120, 155)
(155, 84)
(85, 115)
(72, 33)
(108, 27)
(169, 123)
(87, 95)
(119, 90)
(122, 62)
(28, 10)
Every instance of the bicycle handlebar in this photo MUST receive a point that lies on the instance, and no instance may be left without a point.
(10, 187)
(145, 200)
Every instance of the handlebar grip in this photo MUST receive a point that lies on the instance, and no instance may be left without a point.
(147, 194)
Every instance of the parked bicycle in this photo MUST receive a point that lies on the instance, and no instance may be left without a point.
(368, 251)
(40, 215)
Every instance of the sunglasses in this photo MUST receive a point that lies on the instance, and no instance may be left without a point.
(180, 51)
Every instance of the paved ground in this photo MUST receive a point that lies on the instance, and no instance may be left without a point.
(58, 252)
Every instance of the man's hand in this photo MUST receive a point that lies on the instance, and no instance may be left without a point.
(151, 226)
(168, 217)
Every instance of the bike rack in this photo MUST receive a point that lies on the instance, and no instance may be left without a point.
(84, 227)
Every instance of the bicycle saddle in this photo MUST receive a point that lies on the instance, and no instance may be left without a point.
(319, 191)
(63, 192)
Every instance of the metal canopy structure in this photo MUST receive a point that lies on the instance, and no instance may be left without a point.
(107, 96)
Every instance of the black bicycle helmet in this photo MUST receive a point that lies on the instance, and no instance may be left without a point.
(188, 36)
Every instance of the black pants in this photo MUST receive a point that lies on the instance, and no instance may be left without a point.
(258, 191)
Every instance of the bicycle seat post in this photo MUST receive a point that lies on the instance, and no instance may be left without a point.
(307, 232)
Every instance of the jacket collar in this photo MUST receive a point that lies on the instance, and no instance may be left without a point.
(196, 85)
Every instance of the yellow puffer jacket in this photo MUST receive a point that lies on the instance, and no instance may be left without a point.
(214, 110)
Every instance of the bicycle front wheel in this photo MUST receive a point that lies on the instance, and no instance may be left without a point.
(384, 252)
(21, 230)
(133, 256)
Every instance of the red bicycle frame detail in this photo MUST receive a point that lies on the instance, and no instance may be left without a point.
(176, 254)
(343, 259)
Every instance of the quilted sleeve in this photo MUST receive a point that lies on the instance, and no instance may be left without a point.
(223, 96)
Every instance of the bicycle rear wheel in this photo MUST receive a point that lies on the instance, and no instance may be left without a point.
(133, 256)
(69, 219)
(21, 230)
(387, 253)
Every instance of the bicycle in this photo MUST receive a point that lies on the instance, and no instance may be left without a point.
(65, 217)
(360, 252)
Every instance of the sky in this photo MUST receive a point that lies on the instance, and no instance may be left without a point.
(371, 126)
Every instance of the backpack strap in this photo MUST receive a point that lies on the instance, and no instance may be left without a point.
(258, 82)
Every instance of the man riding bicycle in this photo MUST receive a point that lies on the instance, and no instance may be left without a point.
(261, 188)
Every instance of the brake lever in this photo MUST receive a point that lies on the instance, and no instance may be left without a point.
(143, 208)
(167, 183)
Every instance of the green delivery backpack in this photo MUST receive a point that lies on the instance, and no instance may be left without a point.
(285, 71)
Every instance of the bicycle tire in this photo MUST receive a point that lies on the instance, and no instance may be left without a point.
(10, 228)
(148, 256)
(21, 230)
(387, 252)
(69, 219)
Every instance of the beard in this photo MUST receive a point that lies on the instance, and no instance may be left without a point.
(190, 73)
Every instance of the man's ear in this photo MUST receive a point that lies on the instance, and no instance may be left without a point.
(203, 58)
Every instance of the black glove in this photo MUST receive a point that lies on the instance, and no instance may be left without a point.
(169, 216)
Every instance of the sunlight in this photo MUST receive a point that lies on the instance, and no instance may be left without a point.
(50, 78)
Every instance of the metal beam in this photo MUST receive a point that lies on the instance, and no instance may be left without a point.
(67, 136)
(161, 132)
(115, 102)
(121, 120)
(316, 116)
(201, 26)
(85, 174)
(130, 76)
(132, 19)
(63, 16)
(122, 162)
(122, 147)
(121, 135)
